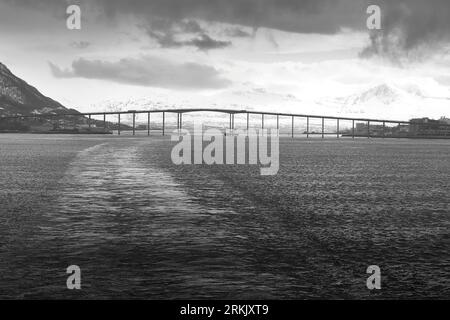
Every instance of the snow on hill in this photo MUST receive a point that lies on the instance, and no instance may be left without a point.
(393, 102)
(19, 98)
(382, 101)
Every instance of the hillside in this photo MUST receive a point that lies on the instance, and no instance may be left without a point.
(19, 98)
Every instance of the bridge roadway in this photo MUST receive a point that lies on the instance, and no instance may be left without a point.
(231, 112)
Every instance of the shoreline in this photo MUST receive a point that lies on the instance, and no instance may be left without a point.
(76, 132)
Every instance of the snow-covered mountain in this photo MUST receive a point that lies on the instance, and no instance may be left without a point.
(393, 102)
(381, 101)
(380, 94)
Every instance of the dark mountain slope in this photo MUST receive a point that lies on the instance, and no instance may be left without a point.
(19, 98)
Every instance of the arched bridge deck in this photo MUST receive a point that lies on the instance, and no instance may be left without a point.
(230, 112)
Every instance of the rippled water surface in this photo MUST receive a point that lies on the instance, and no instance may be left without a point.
(140, 227)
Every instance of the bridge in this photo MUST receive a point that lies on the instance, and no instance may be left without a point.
(231, 112)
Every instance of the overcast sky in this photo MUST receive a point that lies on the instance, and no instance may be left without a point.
(230, 52)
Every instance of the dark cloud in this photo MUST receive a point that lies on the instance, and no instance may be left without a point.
(410, 29)
(310, 16)
(318, 16)
(46, 5)
(146, 71)
(166, 35)
(408, 26)
(80, 44)
(205, 42)
(161, 24)
(190, 26)
(165, 39)
(237, 33)
(165, 19)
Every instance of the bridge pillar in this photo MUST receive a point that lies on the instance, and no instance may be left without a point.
(323, 128)
(134, 124)
(292, 128)
(307, 127)
(181, 121)
(164, 124)
(89, 121)
(353, 129)
(384, 129)
(337, 132)
(118, 127)
(248, 120)
(278, 124)
(104, 122)
(368, 129)
(148, 124)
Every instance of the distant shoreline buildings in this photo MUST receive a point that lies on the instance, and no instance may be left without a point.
(429, 127)
(417, 128)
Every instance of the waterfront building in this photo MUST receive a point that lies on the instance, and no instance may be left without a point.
(430, 127)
